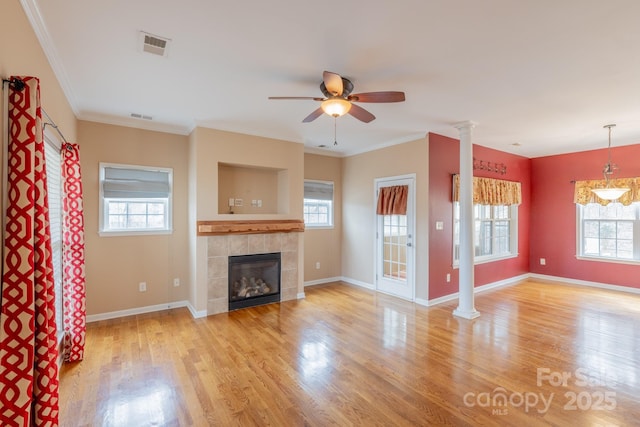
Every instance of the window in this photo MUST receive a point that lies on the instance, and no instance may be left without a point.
(395, 232)
(135, 199)
(495, 232)
(53, 162)
(318, 203)
(610, 232)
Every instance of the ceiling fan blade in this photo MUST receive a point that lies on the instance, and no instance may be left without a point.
(297, 97)
(389, 96)
(311, 117)
(361, 114)
(333, 83)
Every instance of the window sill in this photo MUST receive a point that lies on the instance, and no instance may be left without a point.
(318, 227)
(134, 233)
(609, 260)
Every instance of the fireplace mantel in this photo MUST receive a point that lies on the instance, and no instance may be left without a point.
(217, 228)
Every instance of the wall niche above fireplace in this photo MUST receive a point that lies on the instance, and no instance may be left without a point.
(252, 190)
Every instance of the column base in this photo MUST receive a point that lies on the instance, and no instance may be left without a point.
(466, 314)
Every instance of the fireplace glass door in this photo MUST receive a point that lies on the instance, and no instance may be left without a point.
(254, 280)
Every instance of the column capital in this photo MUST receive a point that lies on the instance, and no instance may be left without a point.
(467, 124)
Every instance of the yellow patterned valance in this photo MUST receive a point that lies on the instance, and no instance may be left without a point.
(583, 194)
(490, 191)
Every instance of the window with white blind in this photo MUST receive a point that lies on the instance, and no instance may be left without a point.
(318, 203)
(135, 199)
(53, 161)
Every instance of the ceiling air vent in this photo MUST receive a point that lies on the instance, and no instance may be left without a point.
(155, 45)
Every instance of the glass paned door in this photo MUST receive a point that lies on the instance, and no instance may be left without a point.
(394, 246)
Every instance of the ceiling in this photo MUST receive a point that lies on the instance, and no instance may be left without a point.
(538, 77)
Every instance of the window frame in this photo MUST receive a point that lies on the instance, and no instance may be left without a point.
(330, 203)
(513, 236)
(103, 213)
(580, 255)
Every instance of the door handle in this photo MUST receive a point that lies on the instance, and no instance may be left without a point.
(409, 244)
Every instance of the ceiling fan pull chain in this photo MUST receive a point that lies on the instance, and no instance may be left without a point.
(335, 131)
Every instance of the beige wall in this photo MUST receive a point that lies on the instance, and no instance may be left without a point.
(358, 208)
(208, 148)
(21, 55)
(247, 184)
(215, 146)
(115, 265)
(324, 245)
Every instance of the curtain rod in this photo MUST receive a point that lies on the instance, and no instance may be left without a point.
(18, 85)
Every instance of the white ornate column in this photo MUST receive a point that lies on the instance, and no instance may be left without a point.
(466, 307)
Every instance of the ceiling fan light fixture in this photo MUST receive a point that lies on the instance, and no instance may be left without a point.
(336, 106)
(609, 192)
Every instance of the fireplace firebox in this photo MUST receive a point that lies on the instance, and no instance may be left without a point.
(254, 280)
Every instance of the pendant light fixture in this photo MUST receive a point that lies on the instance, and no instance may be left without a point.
(609, 192)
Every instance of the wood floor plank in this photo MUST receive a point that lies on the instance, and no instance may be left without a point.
(349, 356)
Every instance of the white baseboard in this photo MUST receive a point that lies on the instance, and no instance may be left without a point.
(196, 314)
(357, 283)
(141, 310)
(427, 303)
(500, 283)
(422, 301)
(322, 281)
(566, 281)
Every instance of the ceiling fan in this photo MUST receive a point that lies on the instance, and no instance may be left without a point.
(339, 101)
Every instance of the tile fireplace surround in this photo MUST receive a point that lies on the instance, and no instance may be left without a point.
(229, 241)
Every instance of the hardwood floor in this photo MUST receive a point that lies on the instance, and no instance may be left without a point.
(348, 356)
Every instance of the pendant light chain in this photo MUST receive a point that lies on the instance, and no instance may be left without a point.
(609, 192)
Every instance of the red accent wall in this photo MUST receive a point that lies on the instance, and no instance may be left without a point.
(553, 215)
(444, 160)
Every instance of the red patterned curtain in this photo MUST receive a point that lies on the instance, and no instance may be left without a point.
(393, 200)
(28, 342)
(73, 277)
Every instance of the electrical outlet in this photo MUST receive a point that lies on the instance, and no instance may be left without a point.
(318, 265)
(543, 261)
(176, 282)
(448, 277)
(142, 286)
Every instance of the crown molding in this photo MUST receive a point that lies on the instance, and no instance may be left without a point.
(135, 123)
(40, 29)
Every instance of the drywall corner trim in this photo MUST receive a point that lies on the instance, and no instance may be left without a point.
(357, 283)
(567, 281)
(139, 310)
